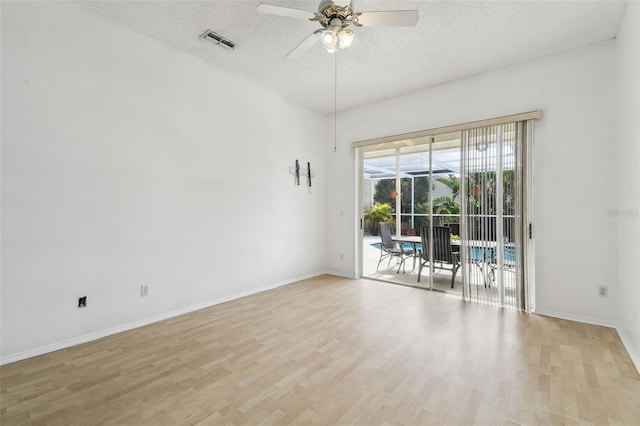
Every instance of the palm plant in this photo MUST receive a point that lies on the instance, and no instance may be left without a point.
(447, 204)
(375, 214)
(453, 183)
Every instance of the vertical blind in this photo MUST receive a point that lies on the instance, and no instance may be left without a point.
(493, 215)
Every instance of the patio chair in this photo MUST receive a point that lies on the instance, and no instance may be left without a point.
(442, 252)
(486, 259)
(508, 264)
(483, 258)
(392, 249)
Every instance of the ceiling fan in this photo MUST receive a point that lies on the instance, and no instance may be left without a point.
(335, 18)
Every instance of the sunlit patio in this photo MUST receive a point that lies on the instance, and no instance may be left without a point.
(388, 270)
(480, 276)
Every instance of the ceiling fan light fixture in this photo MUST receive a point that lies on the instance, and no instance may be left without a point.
(345, 38)
(329, 38)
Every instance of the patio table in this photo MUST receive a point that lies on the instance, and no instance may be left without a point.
(486, 260)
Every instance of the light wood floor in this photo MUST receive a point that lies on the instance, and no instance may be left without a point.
(332, 351)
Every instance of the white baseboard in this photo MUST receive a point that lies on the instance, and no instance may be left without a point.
(635, 358)
(631, 350)
(340, 274)
(41, 350)
(576, 318)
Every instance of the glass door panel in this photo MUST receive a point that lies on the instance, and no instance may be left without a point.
(402, 177)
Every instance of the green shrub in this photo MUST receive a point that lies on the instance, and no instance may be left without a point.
(376, 214)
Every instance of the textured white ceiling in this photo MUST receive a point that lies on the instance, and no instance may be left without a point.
(453, 39)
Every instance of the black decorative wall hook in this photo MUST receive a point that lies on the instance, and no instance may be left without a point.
(297, 170)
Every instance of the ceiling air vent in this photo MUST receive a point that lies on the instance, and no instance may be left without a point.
(218, 39)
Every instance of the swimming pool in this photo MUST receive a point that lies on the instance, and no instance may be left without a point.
(477, 253)
(405, 246)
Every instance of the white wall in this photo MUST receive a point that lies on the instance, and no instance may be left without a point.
(575, 174)
(126, 162)
(628, 185)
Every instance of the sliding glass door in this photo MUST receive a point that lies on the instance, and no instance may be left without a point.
(470, 187)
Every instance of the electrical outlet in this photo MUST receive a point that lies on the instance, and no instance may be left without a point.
(144, 290)
(603, 291)
(82, 302)
(341, 256)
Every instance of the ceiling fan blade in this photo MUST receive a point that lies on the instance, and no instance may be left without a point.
(305, 45)
(389, 18)
(270, 9)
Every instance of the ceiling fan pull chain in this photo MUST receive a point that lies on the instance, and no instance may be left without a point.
(335, 103)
